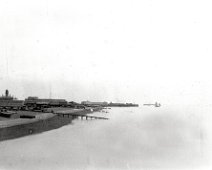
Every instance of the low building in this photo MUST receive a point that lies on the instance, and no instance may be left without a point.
(36, 102)
(88, 103)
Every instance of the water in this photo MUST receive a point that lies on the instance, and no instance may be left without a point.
(133, 138)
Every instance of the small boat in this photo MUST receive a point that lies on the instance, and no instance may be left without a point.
(156, 104)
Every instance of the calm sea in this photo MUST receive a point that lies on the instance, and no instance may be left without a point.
(173, 137)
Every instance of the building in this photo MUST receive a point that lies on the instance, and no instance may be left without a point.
(93, 104)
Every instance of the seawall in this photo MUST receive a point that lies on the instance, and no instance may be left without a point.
(37, 126)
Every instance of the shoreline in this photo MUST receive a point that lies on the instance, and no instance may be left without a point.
(15, 128)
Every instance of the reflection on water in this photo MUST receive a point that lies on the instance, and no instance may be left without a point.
(133, 138)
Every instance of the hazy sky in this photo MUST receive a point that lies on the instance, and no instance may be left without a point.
(129, 50)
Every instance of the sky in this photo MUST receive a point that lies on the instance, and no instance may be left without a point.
(123, 51)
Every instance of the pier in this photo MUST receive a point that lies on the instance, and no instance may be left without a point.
(80, 115)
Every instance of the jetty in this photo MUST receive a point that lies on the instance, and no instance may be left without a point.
(78, 114)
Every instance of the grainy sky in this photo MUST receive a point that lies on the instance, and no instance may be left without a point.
(129, 50)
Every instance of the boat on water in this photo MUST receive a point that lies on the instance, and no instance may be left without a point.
(156, 104)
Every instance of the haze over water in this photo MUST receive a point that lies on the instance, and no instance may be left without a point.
(133, 138)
